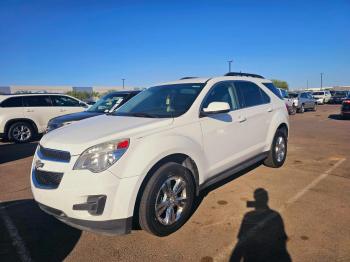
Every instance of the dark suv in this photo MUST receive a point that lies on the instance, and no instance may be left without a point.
(106, 104)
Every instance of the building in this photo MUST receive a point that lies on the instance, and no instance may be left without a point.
(60, 89)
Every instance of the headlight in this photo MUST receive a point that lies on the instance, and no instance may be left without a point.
(100, 157)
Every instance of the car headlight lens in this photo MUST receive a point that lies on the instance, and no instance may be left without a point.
(100, 157)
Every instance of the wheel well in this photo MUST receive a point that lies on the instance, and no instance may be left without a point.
(181, 159)
(12, 121)
(284, 128)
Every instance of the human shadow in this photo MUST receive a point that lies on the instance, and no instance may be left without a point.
(29, 234)
(262, 236)
(12, 152)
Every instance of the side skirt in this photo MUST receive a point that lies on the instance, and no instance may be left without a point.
(233, 170)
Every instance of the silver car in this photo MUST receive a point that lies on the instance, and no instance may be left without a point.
(303, 101)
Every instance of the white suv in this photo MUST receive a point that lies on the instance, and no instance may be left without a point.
(146, 162)
(23, 116)
(322, 97)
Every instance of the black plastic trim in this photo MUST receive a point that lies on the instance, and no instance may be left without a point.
(108, 227)
(233, 170)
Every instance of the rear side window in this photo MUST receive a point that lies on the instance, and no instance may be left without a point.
(64, 101)
(250, 94)
(37, 101)
(12, 102)
(273, 89)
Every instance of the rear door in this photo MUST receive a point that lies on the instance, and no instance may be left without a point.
(39, 109)
(66, 105)
(257, 110)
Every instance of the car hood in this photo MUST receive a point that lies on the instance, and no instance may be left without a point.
(74, 117)
(81, 135)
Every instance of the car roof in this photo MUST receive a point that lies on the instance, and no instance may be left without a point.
(203, 80)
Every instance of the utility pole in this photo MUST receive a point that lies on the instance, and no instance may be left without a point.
(321, 80)
(307, 84)
(229, 65)
(123, 82)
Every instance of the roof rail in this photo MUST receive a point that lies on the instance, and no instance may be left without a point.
(188, 77)
(243, 74)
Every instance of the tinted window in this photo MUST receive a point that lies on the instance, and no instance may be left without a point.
(273, 89)
(251, 94)
(303, 95)
(107, 102)
(12, 102)
(36, 101)
(284, 93)
(222, 92)
(64, 101)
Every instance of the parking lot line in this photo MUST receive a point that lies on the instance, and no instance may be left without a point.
(17, 241)
(222, 256)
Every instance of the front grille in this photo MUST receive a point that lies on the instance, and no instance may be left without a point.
(47, 179)
(53, 155)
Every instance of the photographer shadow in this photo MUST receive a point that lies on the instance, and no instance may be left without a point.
(262, 235)
(29, 234)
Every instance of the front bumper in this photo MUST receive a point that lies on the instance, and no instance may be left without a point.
(70, 199)
(108, 227)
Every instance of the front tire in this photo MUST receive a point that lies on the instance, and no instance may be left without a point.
(278, 152)
(315, 107)
(21, 132)
(302, 109)
(167, 201)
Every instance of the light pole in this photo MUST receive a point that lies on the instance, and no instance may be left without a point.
(307, 84)
(123, 79)
(229, 65)
(321, 80)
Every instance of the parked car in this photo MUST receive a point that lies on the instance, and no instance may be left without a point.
(106, 104)
(338, 97)
(24, 116)
(148, 161)
(322, 97)
(303, 101)
(289, 101)
(345, 107)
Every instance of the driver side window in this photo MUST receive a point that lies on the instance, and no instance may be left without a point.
(222, 92)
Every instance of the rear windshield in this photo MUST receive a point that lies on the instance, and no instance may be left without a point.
(291, 95)
(318, 93)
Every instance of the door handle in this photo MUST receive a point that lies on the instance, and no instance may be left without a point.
(63, 110)
(269, 109)
(242, 119)
(30, 110)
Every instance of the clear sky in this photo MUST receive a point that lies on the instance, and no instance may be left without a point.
(84, 43)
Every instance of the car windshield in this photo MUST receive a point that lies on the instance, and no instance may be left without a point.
(161, 101)
(106, 103)
(291, 95)
(318, 93)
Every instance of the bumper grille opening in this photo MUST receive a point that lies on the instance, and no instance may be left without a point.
(54, 155)
(47, 179)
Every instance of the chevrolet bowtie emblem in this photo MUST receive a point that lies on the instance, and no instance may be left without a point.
(38, 164)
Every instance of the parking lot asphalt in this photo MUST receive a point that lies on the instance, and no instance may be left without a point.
(306, 217)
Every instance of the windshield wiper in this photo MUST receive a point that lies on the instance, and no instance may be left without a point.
(141, 114)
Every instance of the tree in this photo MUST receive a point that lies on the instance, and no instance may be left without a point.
(84, 96)
(280, 84)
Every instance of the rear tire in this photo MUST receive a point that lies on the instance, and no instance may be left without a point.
(21, 132)
(315, 107)
(278, 152)
(302, 109)
(167, 201)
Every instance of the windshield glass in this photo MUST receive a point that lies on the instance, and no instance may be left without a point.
(161, 101)
(340, 93)
(106, 103)
(291, 95)
(318, 93)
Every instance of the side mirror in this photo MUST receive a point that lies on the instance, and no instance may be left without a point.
(216, 108)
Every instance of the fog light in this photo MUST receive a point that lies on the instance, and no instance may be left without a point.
(94, 205)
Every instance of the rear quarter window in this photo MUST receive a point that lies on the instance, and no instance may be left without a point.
(273, 89)
(12, 102)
